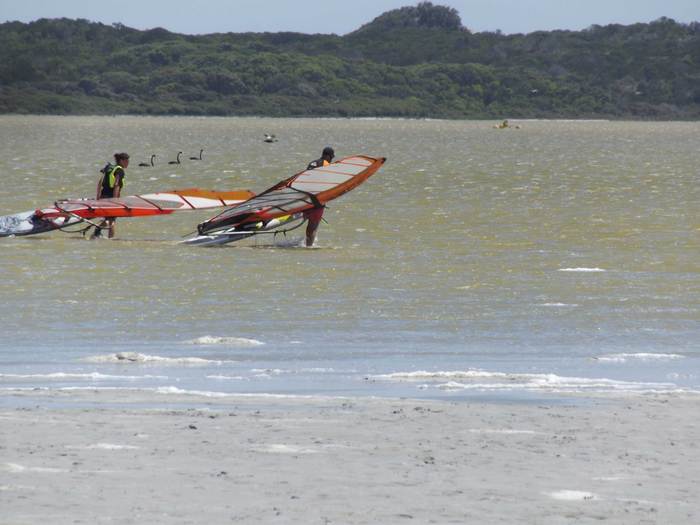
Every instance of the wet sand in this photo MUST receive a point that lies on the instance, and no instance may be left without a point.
(318, 460)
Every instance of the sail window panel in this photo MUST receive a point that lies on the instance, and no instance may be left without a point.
(266, 201)
(350, 169)
(131, 202)
(88, 204)
(333, 169)
(325, 178)
(70, 206)
(163, 204)
(294, 206)
(344, 168)
(363, 161)
(315, 187)
(279, 202)
(195, 202)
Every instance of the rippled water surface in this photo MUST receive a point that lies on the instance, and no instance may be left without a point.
(559, 257)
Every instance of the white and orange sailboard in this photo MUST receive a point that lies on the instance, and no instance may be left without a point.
(72, 212)
(282, 207)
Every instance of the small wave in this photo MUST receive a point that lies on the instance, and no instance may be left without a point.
(422, 375)
(93, 376)
(642, 356)
(572, 495)
(228, 341)
(231, 378)
(103, 446)
(500, 381)
(267, 372)
(16, 468)
(172, 390)
(175, 390)
(558, 305)
(135, 357)
(282, 448)
(505, 431)
(165, 390)
(581, 270)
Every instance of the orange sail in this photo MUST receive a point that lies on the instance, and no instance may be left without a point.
(70, 212)
(301, 192)
(151, 204)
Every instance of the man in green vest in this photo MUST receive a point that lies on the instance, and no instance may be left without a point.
(110, 187)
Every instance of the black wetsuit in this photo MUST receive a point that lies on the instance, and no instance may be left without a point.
(317, 164)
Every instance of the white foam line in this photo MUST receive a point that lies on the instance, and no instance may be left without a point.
(227, 341)
(641, 356)
(102, 446)
(572, 495)
(458, 374)
(16, 468)
(506, 431)
(134, 357)
(91, 376)
(281, 448)
(16, 487)
(602, 386)
(170, 390)
(581, 270)
(454, 380)
(558, 305)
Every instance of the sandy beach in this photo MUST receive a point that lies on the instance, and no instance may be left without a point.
(328, 460)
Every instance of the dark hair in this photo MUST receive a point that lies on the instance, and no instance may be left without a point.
(121, 156)
(328, 152)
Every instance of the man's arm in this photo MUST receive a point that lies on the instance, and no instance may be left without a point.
(118, 183)
(99, 186)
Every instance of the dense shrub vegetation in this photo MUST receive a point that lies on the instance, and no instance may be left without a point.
(414, 62)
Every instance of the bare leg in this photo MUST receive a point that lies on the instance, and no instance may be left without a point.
(314, 218)
(311, 233)
(98, 230)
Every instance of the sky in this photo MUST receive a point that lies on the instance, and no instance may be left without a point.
(344, 16)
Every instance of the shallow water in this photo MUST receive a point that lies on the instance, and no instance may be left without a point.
(560, 257)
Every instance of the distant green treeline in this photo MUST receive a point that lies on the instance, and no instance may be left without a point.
(410, 62)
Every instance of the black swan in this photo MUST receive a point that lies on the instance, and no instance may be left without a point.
(146, 164)
(178, 158)
(200, 156)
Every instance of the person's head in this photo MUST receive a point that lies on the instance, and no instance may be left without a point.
(328, 153)
(122, 159)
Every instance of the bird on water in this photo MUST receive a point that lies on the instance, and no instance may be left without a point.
(146, 164)
(178, 158)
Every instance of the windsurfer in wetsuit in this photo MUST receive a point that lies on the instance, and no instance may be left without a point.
(314, 215)
(110, 186)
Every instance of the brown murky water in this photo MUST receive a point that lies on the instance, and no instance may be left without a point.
(519, 250)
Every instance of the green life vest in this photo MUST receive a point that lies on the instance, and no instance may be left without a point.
(109, 177)
(112, 176)
(109, 180)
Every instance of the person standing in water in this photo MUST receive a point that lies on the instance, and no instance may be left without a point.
(110, 187)
(314, 215)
